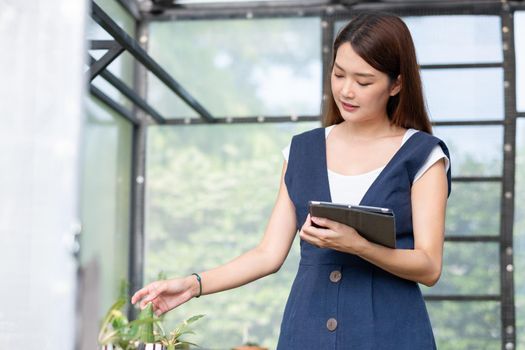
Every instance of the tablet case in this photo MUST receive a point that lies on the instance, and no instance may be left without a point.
(375, 224)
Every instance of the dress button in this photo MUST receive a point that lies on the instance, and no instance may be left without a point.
(331, 324)
(335, 276)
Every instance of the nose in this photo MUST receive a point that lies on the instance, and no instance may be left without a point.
(347, 89)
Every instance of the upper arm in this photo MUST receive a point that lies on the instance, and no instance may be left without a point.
(281, 228)
(429, 199)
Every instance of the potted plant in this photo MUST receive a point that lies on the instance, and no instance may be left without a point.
(173, 340)
(116, 332)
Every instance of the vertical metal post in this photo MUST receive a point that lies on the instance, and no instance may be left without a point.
(327, 39)
(508, 316)
(138, 181)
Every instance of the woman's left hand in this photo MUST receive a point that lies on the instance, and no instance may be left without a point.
(333, 235)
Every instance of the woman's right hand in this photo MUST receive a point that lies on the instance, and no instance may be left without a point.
(166, 295)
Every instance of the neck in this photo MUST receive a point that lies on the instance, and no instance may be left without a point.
(369, 129)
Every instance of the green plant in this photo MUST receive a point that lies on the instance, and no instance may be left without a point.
(117, 330)
(173, 340)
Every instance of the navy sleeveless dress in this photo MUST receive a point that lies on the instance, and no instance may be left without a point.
(338, 300)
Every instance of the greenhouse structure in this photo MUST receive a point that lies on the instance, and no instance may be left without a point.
(143, 140)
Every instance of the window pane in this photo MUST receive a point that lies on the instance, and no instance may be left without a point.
(105, 199)
(519, 234)
(519, 39)
(210, 191)
(473, 209)
(460, 39)
(468, 268)
(466, 325)
(464, 94)
(456, 39)
(474, 150)
(269, 67)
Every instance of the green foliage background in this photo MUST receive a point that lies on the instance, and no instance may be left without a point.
(210, 193)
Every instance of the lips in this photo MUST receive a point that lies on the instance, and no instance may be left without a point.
(349, 107)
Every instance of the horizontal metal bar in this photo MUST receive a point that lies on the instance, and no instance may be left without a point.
(102, 44)
(477, 178)
(479, 238)
(244, 120)
(207, 12)
(133, 47)
(520, 114)
(121, 110)
(454, 297)
(462, 65)
(338, 11)
(132, 95)
(468, 122)
(309, 118)
(101, 64)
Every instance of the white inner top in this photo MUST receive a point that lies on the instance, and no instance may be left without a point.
(352, 188)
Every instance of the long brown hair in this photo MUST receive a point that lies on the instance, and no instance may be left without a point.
(384, 42)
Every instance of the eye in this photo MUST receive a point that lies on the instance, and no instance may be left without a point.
(338, 75)
(364, 84)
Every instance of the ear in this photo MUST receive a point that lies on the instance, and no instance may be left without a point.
(396, 86)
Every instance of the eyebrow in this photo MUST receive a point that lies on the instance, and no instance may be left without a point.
(366, 75)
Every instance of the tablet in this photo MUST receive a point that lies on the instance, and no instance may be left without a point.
(376, 224)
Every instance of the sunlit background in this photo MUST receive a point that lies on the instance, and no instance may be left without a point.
(67, 165)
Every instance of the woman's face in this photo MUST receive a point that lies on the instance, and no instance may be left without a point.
(360, 91)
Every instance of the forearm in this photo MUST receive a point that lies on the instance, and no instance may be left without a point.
(248, 267)
(411, 264)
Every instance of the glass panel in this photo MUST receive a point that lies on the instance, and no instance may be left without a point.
(210, 191)
(464, 94)
(473, 209)
(106, 199)
(519, 234)
(268, 67)
(466, 325)
(465, 273)
(474, 150)
(117, 14)
(460, 39)
(519, 40)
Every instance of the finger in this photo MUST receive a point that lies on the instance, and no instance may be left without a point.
(324, 222)
(141, 293)
(154, 290)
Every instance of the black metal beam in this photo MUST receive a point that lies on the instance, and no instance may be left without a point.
(477, 179)
(340, 10)
(508, 308)
(454, 297)
(99, 65)
(177, 120)
(132, 95)
(474, 238)
(133, 47)
(327, 38)
(469, 122)
(121, 110)
(101, 44)
(244, 120)
(462, 65)
(138, 181)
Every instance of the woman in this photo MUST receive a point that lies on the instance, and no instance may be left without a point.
(375, 149)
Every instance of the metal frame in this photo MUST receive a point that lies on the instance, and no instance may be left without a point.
(329, 12)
